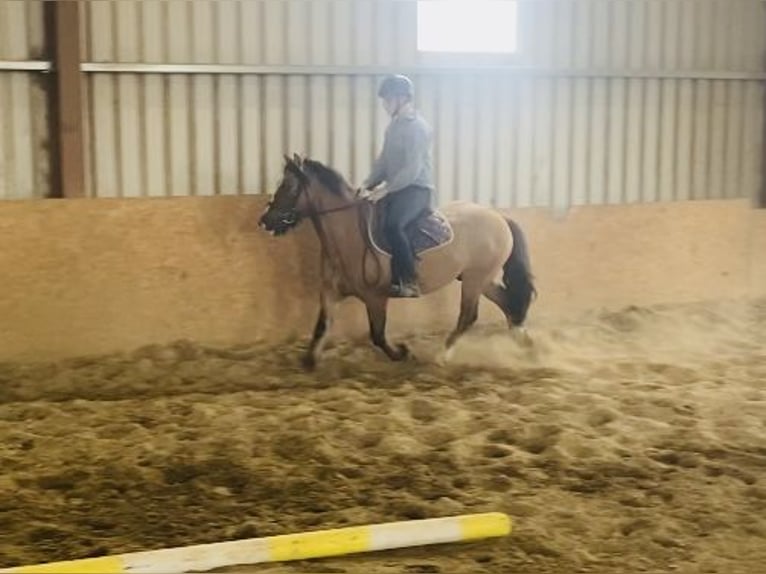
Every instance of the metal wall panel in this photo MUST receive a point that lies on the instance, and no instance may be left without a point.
(298, 32)
(606, 101)
(21, 24)
(582, 34)
(24, 164)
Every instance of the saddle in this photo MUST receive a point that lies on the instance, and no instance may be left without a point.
(428, 231)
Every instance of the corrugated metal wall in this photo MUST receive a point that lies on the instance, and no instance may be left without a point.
(24, 161)
(607, 101)
(561, 130)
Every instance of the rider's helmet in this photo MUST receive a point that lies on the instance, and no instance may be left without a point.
(396, 85)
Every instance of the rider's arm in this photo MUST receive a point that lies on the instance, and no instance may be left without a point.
(378, 173)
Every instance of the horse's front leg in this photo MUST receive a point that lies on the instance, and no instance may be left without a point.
(377, 309)
(328, 302)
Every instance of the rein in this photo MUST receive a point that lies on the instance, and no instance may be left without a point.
(364, 232)
(314, 212)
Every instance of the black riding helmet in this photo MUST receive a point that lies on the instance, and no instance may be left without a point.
(396, 85)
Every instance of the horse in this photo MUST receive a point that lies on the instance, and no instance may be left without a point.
(476, 245)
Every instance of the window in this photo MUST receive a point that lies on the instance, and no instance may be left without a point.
(467, 26)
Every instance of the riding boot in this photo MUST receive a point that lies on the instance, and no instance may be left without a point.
(405, 289)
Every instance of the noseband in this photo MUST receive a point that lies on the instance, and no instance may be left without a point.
(292, 215)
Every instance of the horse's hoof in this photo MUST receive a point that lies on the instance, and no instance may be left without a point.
(402, 352)
(309, 362)
(445, 356)
(522, 337)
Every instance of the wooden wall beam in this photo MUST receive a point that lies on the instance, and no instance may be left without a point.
(762, 190)
(63, 38)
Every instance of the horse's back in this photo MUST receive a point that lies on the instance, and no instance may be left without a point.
(481, 243)
(467, 213)
(481, 233)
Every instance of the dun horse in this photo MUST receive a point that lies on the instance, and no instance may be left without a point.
(476, 245)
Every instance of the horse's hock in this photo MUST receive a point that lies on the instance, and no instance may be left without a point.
(86, 276)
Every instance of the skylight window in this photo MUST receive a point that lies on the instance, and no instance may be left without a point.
(467, 26)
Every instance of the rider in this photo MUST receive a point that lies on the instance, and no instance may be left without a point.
(404, 164)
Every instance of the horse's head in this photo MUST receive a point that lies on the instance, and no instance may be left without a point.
(289, 204)
(307, 188)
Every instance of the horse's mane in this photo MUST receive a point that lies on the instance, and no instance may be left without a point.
(327, 176)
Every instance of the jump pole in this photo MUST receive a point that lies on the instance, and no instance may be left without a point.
(303, 546)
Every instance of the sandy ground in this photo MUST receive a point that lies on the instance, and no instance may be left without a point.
(632, 441)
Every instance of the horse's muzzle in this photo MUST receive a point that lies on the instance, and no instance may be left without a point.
(278, 223)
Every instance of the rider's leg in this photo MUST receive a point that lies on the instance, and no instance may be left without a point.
(404, 207)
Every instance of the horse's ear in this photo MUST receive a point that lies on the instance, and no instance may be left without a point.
(295, 165)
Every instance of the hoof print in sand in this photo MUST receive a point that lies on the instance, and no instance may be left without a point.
(424, 411)
(496, 451)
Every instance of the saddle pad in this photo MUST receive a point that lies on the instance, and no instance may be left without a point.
(428, 231)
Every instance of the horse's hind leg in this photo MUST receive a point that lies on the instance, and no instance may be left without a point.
(497, 294)
(377, 309)
(469, 312)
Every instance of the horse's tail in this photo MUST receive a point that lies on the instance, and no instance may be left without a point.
(517, 277)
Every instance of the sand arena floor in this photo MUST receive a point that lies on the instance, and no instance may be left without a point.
(632, 441)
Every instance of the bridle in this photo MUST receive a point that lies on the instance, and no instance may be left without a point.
(291, 216)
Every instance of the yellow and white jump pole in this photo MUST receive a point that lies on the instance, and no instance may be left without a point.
(302, 546)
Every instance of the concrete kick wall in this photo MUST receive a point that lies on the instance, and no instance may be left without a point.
(91, 276)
